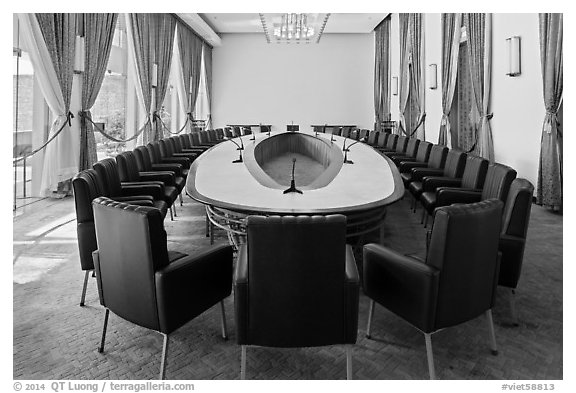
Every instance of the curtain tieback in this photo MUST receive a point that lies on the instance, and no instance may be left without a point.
(444, 120)
(548, 121)
(69, 117)
(488, 116)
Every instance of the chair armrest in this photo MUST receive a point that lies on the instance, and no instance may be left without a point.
(190, 285)
(176, 168)
(431, 183)
(404, 285)
(446, 196)
(241, 295)
(185, 162)
(135, 198)
(156, 191)
(419, 173)
(165, 177)
(406, 166)
(351, 295)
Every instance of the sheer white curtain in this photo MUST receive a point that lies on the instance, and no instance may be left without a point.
(178, 77)
(61, 156)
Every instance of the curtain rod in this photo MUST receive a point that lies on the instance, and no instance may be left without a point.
(192, 30)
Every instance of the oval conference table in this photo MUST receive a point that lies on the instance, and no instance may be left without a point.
(253, 174)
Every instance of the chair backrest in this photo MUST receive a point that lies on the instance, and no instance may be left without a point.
(423, 152)
(474, 172)
(514, 229)
(212, 135)
(195, 137)
(464, 248)
(373, 138)
(236, 131)
(391, 141)
(264, 128)
(227, 132)
(166, 148)
(176, 143)
(498, 180)
(128, 167)
(131, 248)
(107, 170)
(363, 133)
(437, 157)
(143, 159)
(246, 131)
(185, 141)
(87, 186)
(337, 131)
(455, 161)
(346, 132)
(296, 270)
(203, 136)
(219, 133)
(401, 144)
(154, 152)
(412, 147)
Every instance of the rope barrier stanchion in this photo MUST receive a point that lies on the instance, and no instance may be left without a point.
(68, 121)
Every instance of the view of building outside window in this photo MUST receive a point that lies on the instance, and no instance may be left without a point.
(109, 110)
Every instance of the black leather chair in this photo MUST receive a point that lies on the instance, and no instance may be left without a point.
(187, 146)
(160, 157)
(421, 157)
(435, 160)
(144, 162)
(409, 153)
(363, 134)
(87, 186)
(107, 170)
(400, 148)
(453, 168)
(181, 144)
(167, 149)
(513, 237)
(129, 174)
(472, 178)
(390, 142)
(454, 284)
(195, 138)
(220, 134)
(296, 284)
(346, 131)
(144, 283)
(227, 133)
(373, 137)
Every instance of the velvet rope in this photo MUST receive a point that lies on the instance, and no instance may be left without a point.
(68, 121)
(83, 115)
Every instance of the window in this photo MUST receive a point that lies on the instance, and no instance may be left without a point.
(464, 116)
(109, 110)
(201, 109)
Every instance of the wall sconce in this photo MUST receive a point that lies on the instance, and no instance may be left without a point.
(79, 55)
(513, 44)
(154, 75)
(433, 76)
(395, 85)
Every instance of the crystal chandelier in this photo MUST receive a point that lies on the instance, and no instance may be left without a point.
(292, 27)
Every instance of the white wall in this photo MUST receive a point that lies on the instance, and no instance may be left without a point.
(516, 102)
(330, 82)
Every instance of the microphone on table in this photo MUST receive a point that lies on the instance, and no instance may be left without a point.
(347, 149)
(344, 146)
(292, 182)
(240, 148)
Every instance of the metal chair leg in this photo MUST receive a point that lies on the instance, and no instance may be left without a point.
(493, 346)
(223, 316)
(174, 207)
(349, 362)
(425, 218)
(422, 218)
(164, 352)
(513, 310)
(243, 363)
(181, 200)
(211, 233)
(370, 315)
(430, 355)
(101, 347)
(207, 225)
(84, 288)
(171, 216)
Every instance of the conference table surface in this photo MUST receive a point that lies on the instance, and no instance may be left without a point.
(371, 182)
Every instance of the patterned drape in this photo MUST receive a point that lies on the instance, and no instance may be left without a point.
(451, 32)
(163, 49)
(98, 34)
(404, 78)
(59, 41)
(190, 48)
(207, 54)
(382, 72)
(479, 29)
(141, 31)
(417, 72)
(550, 172)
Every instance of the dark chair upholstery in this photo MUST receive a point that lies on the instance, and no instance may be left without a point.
(373, 137)
(107, 170)
(435, 160)
(454, 284)
(472, 178)
(409, 154)
(363, 133)
(160, 156)
(167, 149)
(87, 186)
(183, 144)
(219, 134)
(129, 174)
(144, 162)
(195, 138)
(346, 131)
(421, 157)
(453, 168)
(513, 237)
(141, 282)
(227, 133)
(384, 139)
(400, 144)
(296, 284)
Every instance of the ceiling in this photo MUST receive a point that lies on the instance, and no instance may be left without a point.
(250, 23)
